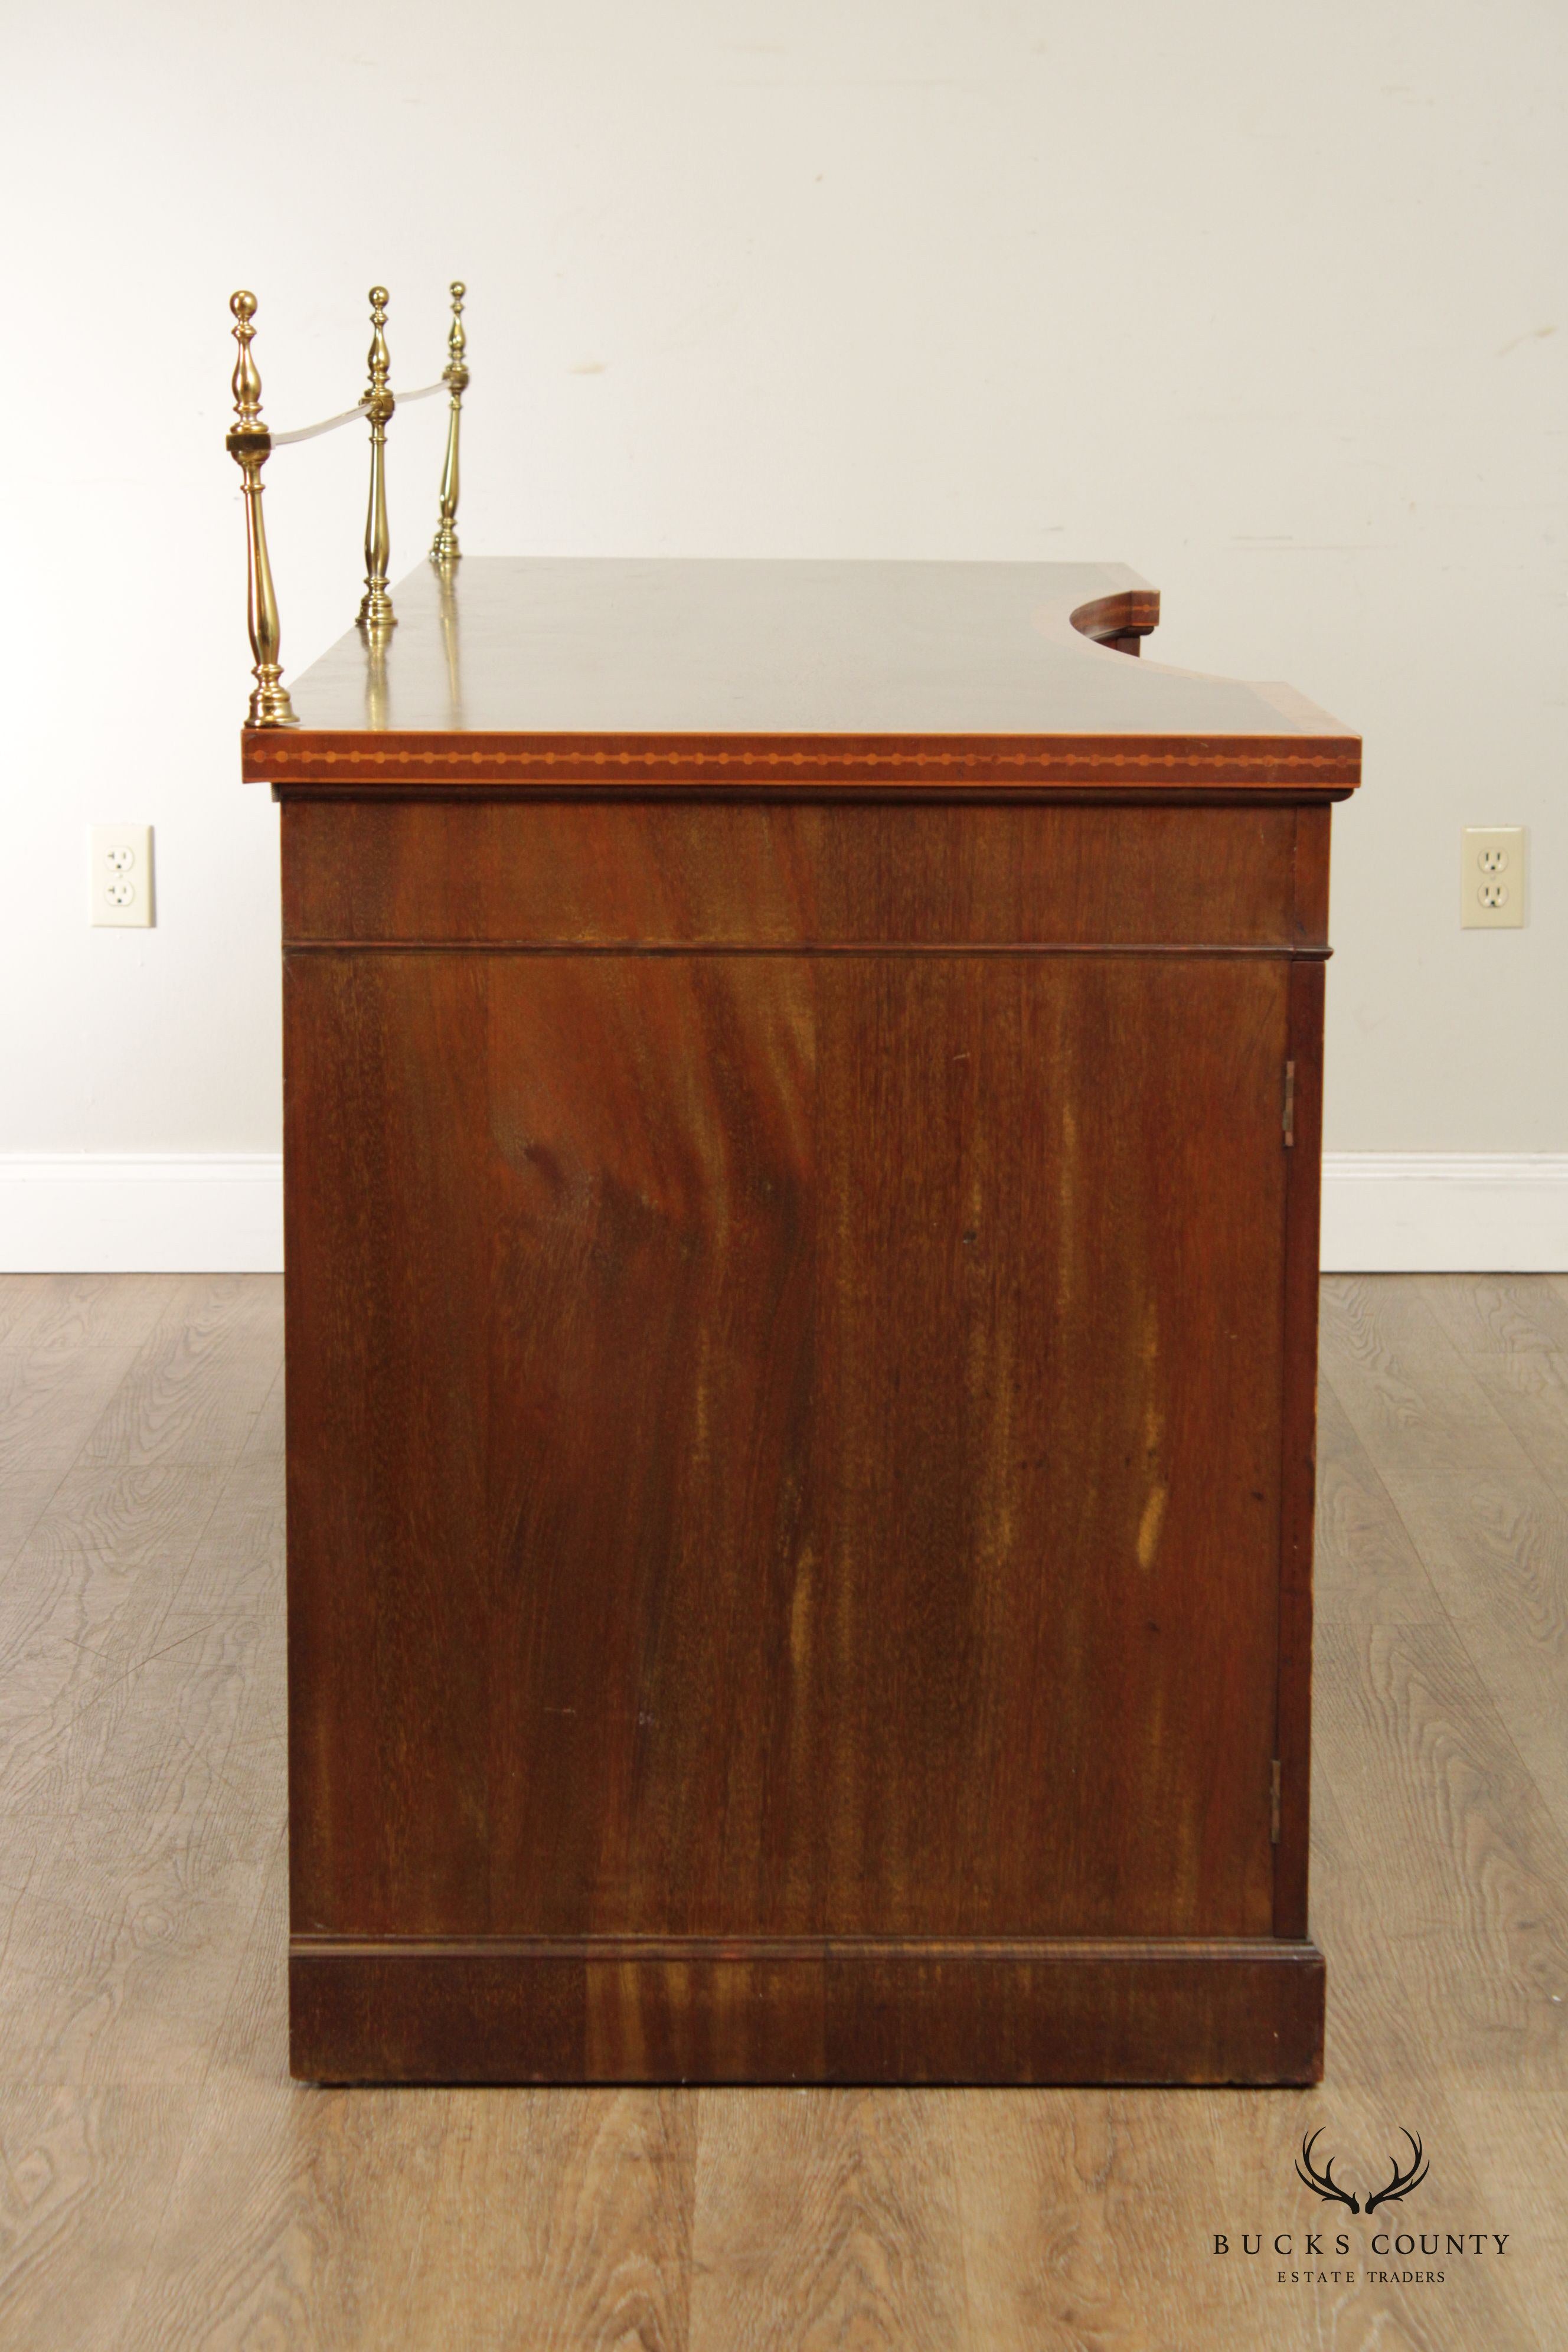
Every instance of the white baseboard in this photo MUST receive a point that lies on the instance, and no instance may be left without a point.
(142, 1213)
(222, 1213)
(1445, 1212)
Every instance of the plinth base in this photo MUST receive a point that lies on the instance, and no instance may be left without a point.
(621, 2009)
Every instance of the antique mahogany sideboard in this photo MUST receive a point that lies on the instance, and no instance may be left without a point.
(801, 1155)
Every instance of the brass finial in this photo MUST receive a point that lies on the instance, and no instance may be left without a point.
(375, 610)
(247, 443)
(379, 366)
(246, 382)
(444, 548)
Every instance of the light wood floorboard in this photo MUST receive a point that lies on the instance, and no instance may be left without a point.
(163, 2185)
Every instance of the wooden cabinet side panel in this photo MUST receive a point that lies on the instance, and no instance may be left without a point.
(784, 1445)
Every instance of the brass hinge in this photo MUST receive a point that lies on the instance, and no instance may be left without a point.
(1290, 1103)
(1274, 1803)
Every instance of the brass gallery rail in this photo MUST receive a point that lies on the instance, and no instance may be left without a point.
(250, 444)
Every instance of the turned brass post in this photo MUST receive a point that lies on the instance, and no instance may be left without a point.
(247, 443)
(375, 610)
(444, 548)
(375, 642)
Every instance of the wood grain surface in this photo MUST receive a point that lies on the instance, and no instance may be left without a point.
(819, 1658)
(801, 1325)
(589, 873)
(697, 676)
(163, 2183)
(751, 646)
(807, 1248)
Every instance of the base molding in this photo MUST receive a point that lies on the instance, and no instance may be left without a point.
(140, 1212)
(222, 1213)
(609, 2009)
(1445, 1212)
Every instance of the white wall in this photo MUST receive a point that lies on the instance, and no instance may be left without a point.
(1264, 301)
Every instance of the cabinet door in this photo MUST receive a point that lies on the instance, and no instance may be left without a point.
(785, 1444)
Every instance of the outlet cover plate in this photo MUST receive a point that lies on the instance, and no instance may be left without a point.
(1491, 877)
(122, 876)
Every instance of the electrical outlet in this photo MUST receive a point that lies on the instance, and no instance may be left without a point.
(1491, 877)
(122, 874)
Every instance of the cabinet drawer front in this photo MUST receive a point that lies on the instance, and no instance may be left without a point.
(587, 873)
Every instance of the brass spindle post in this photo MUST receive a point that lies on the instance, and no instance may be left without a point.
(247, 443)
(375, 610)
(375, 678)
(444, 548)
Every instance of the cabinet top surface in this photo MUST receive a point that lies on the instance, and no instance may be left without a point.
(536, 649)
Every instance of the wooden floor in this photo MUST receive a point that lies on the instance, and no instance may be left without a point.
(163, 2185)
